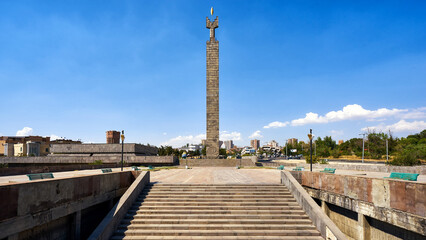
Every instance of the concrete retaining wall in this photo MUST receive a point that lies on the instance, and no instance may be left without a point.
(322, 222)
(27, 205)
(102, 148)
(358, 167)
(58, 159)
(397, 202)
(110, 223)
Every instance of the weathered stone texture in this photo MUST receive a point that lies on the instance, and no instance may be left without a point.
(212, 83)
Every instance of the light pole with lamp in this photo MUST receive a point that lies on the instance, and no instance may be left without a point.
(122, 149)
(310, 145)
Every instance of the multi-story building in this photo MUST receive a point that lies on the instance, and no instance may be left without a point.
(191, 147)
(112, 137)
(292, 141)
(255, 144)
(228, 144)
(7, 145)
(248, 150)
(273, 144)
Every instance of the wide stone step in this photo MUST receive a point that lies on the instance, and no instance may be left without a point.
(161, 227)
(216, 212)
(150, 232)
(216, 203)
(215, 192)
(216, 221)
(215, 197)
(216, 216)
(284, 208)
(214, 185)
(283, 200)
(259, 237)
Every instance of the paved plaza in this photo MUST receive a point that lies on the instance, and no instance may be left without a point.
(208, 175)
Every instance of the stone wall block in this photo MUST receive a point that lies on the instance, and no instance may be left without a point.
(351, 189)
(380, 192)
(316, 180)
(369, 190)
(8, 202)
(397, 195)
(305, 181)
(362, 189)
(410, 200)
(41, 196)
(84, 188)
(420, 199)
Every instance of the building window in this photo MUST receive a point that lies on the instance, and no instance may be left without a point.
(21, 149)
(47, 150)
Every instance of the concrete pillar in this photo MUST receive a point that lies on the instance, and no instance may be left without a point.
(363, 227)
(324, 207)
(76, 225)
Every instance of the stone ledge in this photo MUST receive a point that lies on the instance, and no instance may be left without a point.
(322, 222)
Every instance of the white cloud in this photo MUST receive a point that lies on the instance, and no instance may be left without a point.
(349, 112)
(401, 126)
(419, 113)
(26, 131)
(256, 134)
(182, 140)
(276, 124)
(225, 135)
(179, 141)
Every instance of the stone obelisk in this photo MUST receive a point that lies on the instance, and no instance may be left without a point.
(212, 143)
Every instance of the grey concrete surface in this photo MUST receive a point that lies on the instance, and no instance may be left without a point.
(110, 223)
(328, 229)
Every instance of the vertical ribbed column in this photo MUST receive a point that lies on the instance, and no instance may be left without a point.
(212, 105)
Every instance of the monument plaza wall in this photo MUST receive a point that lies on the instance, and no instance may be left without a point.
(93, 149)
(60, 208)
(364, 207)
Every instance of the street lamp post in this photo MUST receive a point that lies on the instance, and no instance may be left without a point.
(363, 138)
(310, 145)
(122, 149)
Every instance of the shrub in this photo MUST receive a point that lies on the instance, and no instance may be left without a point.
(96, 162)
(336, 153)
(315, 159)
(323, 161)
(410, 155)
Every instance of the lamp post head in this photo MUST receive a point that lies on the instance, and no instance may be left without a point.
(310, 135)
(122, 135)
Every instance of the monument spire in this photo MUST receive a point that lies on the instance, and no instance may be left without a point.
(212, 83)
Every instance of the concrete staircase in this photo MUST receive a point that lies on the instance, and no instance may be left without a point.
(165, 211)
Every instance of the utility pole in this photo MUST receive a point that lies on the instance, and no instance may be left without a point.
(122, 149)
(387, 151)
(363, 138)
(310, 145)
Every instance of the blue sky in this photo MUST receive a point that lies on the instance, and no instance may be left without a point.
(76, 69)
